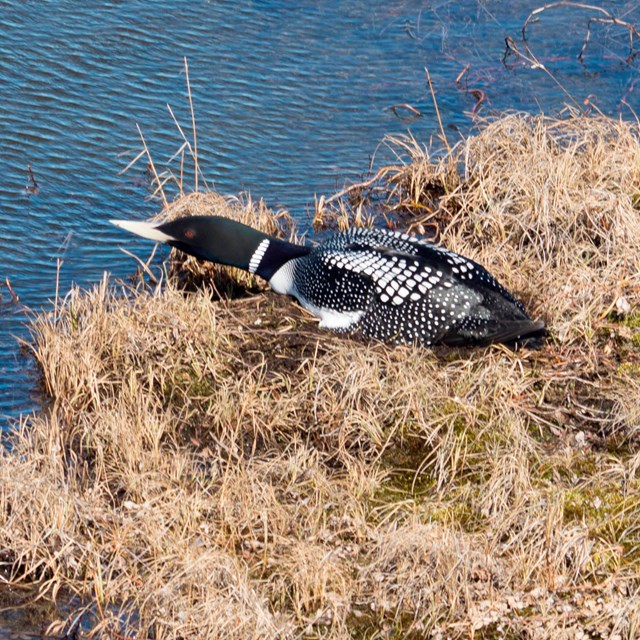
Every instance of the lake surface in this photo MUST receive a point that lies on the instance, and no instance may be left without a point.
(291, 100)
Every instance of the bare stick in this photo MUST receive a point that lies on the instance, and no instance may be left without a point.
(478, 94)
(536, 64)
(14, 295)
(608, 19)
(193, 124)
(58, 267)
(188, 145)
(153, 168)
(143, 265)
(435, 104)
(133, 162)
(356, 186)
(184, 137)
(530, 57)
(404, 105)
(611, 20)
(464, 74)
(33, 178)
(181, 170)
(624, 101)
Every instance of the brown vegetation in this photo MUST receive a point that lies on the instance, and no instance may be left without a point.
(225, 469)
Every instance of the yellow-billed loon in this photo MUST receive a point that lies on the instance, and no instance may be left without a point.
(385, 285)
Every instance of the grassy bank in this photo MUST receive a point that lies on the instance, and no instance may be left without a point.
(222, 468)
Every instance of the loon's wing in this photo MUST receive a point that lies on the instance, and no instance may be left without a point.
(458, 267)
(423, 292)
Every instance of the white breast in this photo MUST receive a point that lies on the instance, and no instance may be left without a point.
(282, 280)
(332, 319)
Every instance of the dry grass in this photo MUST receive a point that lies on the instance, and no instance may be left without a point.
(224, 469)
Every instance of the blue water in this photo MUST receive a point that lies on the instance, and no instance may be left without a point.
(291, 99)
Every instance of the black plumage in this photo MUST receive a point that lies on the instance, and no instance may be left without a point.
(385, 285)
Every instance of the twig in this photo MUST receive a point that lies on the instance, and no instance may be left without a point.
(153, 169)
(416, 113)
(608, 19)
(192, 147)
(133, 161)
(180, 152)
(624, 101)
(535, 64)
(530, 57)
(33, 178)
(193, 125)
(32, 188)
(464, 74)
(72, 632)
(632, 31)
(14, 295)
(435, 104)
(356, 186)
(144, 265)
(479, 95)
(160, 179)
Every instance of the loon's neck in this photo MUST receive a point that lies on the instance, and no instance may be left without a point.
(231, 243)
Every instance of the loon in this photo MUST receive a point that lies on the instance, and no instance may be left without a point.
(386, 285)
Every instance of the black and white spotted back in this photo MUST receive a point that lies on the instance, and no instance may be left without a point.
(395, 288)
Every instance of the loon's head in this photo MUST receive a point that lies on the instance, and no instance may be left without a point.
(211, 238)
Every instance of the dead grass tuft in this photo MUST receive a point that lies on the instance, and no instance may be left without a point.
(224, 469)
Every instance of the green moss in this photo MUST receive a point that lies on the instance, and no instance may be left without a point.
(626, 341)
(407, 483)
(201, 387)
(392, 625)
(631, 320)
(612, 518)
(566, 474)
(405, 486)
(628, 369)
(461, 513)
(497, 631)
(186, 383)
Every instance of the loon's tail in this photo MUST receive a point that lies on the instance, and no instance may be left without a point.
(527, 333)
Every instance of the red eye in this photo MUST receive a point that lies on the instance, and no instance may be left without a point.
(189, 233)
